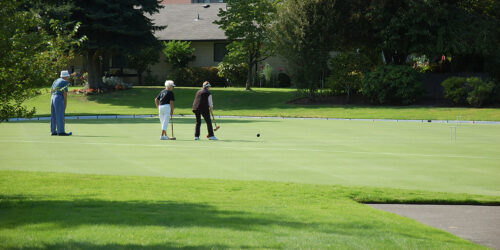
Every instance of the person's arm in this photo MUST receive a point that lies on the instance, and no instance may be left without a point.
(171, 108)
(157, 103)
(210, 102)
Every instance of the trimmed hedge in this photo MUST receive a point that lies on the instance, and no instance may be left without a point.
(471, 90)
(396, 84)
(195, 76)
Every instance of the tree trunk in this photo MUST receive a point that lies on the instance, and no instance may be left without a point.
(94, 67)
(348, 91)
(254, 73)
(249, 77)
(139, 78)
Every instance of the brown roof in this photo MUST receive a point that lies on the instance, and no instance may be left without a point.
(183, 24)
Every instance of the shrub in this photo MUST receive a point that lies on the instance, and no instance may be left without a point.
(393, 84)
(455, 90)
(201, 74)
(472, 90)
(480, 92)
(267, 73)
(284, 80)
(235, 74)
(495, 97)
(150, 79)
(178, 53)
(348, 70)
(195, 76)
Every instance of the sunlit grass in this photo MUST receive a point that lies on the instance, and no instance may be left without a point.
(258, 102)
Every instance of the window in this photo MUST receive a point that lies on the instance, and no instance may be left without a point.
(219, 51)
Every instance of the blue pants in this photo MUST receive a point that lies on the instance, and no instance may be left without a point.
(57, 114)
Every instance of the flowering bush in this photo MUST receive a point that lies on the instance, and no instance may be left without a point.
(114, 83)
(109, 84)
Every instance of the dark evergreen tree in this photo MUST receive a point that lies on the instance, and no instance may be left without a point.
(113, 26)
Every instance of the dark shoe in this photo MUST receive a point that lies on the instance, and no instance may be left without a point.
(52, 134)
(65, 134)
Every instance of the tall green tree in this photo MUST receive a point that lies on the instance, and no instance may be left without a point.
(244, 22)
(31, 56)
(141, 59)
(118, 26)
(304, 33)
(178, 54)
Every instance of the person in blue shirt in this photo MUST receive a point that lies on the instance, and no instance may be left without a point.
(59, 99)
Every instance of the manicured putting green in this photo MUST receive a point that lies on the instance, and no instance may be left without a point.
(418, 156)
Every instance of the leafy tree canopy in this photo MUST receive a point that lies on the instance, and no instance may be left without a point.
(32, 56)
(245, 21)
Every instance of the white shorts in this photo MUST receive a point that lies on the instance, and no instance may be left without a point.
(164, 113)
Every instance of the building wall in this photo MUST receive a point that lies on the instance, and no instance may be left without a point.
(176, 2)
(204, 52)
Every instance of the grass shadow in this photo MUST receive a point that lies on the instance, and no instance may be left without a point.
(17, 211)
(89, 245)
(224, 98)
(73, 213)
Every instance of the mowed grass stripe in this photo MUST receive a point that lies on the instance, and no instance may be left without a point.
(301, 151)
(190, 147)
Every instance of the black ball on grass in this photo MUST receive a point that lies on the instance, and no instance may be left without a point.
(258, 135)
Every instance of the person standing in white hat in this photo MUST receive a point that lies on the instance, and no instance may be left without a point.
(59, 99)
(165, 105)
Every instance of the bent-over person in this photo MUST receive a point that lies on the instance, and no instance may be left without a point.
(202, 106)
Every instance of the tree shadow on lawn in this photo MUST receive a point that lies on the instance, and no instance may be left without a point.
(89, 245)
(224, 99)
(229, 99)
(16, 211)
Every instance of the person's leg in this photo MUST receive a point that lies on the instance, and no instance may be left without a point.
(198, 124)
(166, 118)
(161, 114)
(59, 107)
(53, 130)
(206, 116)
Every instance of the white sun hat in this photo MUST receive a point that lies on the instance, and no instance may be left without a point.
(169, 83)
(64, 73)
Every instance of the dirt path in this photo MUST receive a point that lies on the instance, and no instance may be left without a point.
(479, 224)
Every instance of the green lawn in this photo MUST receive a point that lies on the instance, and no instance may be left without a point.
(44, 210)
(259, 102)
(115, 185)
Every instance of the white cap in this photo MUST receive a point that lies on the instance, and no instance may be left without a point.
(64, 73)
(206, 84)
(169, 83)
